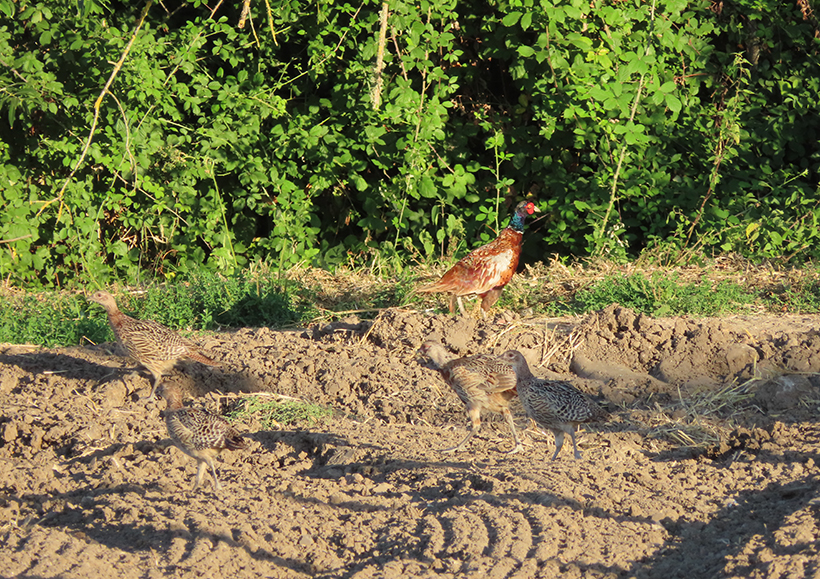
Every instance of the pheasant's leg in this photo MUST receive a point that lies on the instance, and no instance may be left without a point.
(481, 312)
(509, 418)
(460, 444)
(559, 441)
(200, 470)
(157, 380)
(217, 485)
(460, 305)
(489, 298)
(475, 424)
(574, 445)
(453, 303)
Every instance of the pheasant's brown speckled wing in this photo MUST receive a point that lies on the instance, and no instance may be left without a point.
(499, 376)
(483, 269)
(146, 340)
(196, 429)
(556, 401)
(478, 376)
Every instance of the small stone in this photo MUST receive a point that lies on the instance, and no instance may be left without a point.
(741, 357)
(10, 432)
(115, 394)
(382, 487)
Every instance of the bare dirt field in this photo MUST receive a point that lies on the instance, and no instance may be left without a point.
(707, 468)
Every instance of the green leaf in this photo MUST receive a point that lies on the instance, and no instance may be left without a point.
(510, 19)
(668, 87)
(525, 51)
(427, 188)
(673, 103)
(7, 8)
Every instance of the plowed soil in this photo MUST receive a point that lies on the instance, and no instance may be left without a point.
(707, 468)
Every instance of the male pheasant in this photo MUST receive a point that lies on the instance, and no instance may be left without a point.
(554, 405)
(482, 382)
(151, 344)
(486, 270)
(199, 434)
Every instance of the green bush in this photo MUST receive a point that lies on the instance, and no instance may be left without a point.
(634, 124)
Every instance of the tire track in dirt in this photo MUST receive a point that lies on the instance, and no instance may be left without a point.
(432, 536)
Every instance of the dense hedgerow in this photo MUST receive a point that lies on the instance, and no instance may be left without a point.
(685, 127)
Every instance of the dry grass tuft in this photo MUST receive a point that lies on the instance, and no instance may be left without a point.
(704, 418)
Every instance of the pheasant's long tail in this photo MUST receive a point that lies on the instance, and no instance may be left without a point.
(202, 358)
(235, 442)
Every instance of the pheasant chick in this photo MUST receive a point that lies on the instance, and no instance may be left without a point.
(481, 382)
(554, 405)
(199, 434)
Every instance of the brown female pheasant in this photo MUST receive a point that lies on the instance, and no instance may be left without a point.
(486, 270)
(199, 434)
(481, 382)
(151, 344)
(554, 405)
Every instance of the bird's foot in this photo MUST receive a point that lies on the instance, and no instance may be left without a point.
(150, 396)
(451, 449)
(518, 448)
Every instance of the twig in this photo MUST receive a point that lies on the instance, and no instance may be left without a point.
(574, 342)
(270, 22)
(498, 336)
(13, 239)
(335, 313)
(212, 170)
(546, 355)
(614, 187)
(327, 57)
(246, 8)
(234, 395)
(544, 343)
(377, 89)
(180, 62)
(398, 53)
(372, 326)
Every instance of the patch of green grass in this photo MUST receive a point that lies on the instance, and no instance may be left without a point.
(50, 319)
(208, 301)
(664, 295)
(271, 413)
(800, 297)
(203, 302)
(259, 297)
